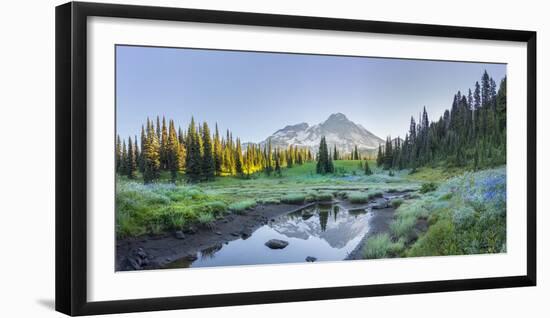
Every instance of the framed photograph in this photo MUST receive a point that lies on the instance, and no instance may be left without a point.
(210, 158)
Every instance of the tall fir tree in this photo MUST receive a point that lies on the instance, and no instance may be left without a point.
(193, 169)
(368, 172)
(124, 159)
(151, 155)
(137, 154)
(131, 165)
(143, 138)
(239, 158)
(324, 162)
(173, 152)
(208, 164)
(217, 152)
(277, 168)
(164, 145)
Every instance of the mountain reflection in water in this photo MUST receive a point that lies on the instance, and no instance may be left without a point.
(326, 232)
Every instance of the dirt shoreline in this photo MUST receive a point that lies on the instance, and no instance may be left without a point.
(378, 223)
(153, 252)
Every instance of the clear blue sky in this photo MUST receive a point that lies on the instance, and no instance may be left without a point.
(254, 94)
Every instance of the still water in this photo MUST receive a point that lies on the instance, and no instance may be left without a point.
(326, 232)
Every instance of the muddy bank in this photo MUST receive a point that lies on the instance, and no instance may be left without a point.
(380, 220)
(378, 223)
(151, 252)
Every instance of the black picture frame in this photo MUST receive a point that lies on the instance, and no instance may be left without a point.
(71, 157)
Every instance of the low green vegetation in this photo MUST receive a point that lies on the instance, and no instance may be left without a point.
(381, 246)
(164, 206)
(464, 215)
(293, 198)
(428, 187)
(241, 206)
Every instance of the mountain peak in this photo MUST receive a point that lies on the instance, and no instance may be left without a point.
(338, 130)
(337, 116)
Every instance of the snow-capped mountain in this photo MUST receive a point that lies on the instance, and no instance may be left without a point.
(337, 129)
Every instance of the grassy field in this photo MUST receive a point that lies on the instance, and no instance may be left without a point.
(161, 207)
(454, 212)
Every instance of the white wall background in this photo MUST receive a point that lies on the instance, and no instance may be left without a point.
(27, 198)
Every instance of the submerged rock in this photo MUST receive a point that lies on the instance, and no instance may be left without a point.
(380, 203)
(311, 259)
(276, 244)
(179, 235)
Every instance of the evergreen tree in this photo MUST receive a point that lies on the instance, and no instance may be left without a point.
(151, 155)
(278, 171)
(324, 162)
(137, 154)
(131, 165)
(477, 96)
(239, 158)
(388, 154)
(355, 153)
(217, 152)
(118, 154)
(193, 155)
(124, 159)
(380, 156)
(368, 172)
(268, 164)
(157, 132)
(142, 146)
(289, 157)
(173, 152)
(164, 145)
(208, 164)
(501, 105)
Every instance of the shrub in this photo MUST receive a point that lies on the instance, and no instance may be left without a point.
(439, 240)
(240, 207)
(428, 187)
(215, 207)
(395, 203)
(323, 196)
(358, 197)
(205, 218)
(403, 227)
(381, 246)
(376, 194)
(293, 198)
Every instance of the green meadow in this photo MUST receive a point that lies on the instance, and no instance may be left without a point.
(450, 211)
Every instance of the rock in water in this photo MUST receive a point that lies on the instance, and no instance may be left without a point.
(276, 244)
(311, 259)
(179, 235)
(380, 203)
